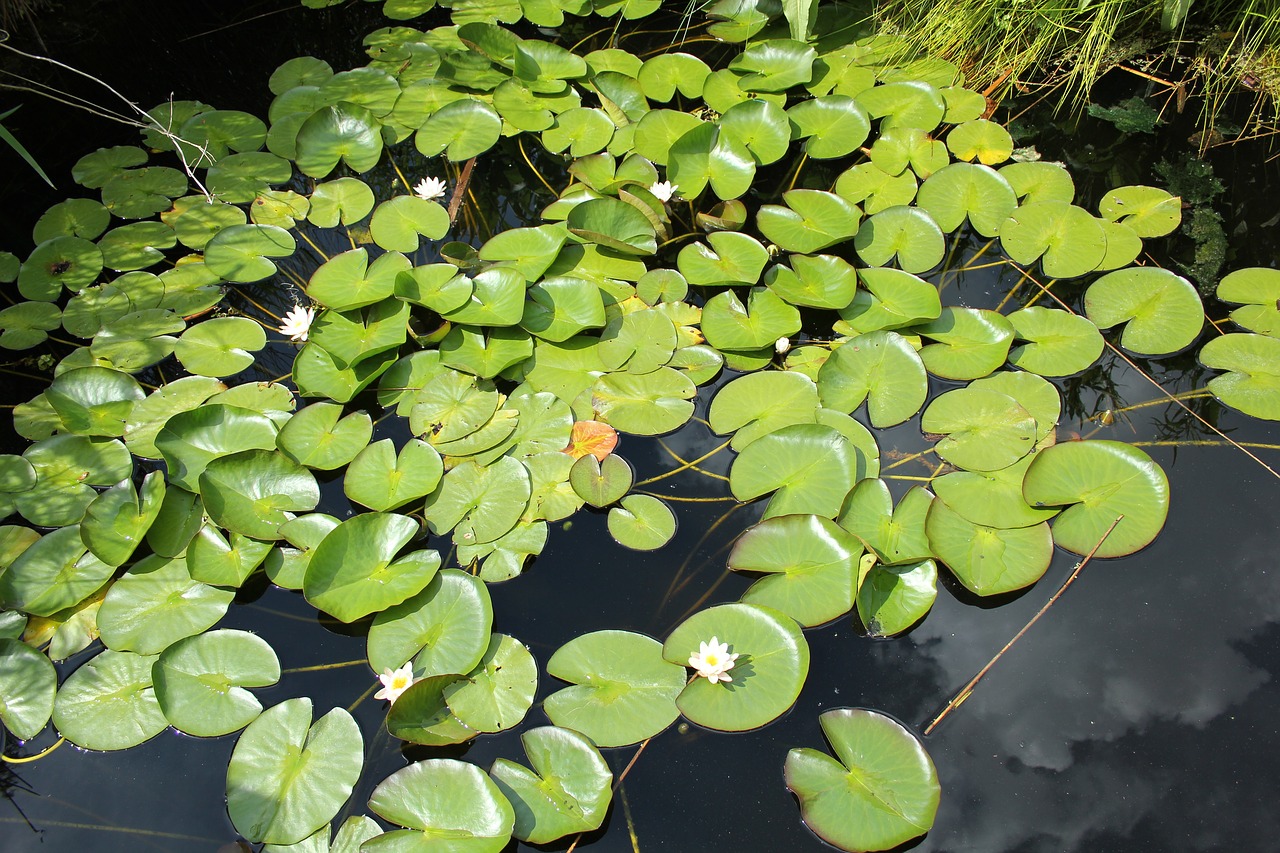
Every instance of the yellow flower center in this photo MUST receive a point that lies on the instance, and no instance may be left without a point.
(712, 660)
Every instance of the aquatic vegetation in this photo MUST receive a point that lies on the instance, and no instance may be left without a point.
(827, 196)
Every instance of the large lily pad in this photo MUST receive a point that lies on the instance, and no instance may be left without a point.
(1101, 481)
(882, 791)
(447, 805)
(254, 491)
(567, 791)
(1161, 309)
(988, 560)
(984, 430)
(498, 692)
(895, 534)
(288, 777)
(773, 661)
(810, 567)
(443, 629)
(879, 367)
(354, 570)
(200, 681)
(811, 466)
(320, 437)
(156, 603)
(1252, 381)
(109, 703)
(28, 682)
(623, 691)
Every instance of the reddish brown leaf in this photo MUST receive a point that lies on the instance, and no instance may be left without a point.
(598, 439)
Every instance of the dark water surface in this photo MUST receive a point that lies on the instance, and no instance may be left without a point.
(1140, 714)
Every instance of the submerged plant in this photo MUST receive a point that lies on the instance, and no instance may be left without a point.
(817, 175)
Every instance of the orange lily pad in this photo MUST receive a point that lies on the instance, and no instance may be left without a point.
(591, 437)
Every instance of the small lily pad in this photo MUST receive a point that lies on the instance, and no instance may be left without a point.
(810, 567)
(441, 799)
(354, 571)
(443, 629)
(28, 682)
(200, 681)
(109, 703)
(568, 790)
(642, 523)
(497, 694)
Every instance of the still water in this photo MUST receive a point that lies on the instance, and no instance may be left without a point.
(1138, 715)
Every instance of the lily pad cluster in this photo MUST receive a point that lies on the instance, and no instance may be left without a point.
(160, 478)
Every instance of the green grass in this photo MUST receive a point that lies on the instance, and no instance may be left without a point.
(1219, 48)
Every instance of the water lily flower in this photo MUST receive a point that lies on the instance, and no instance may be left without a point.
(395, 683)
(712, 661)
(782, 345)
(430, 189)
(664, 190)
(297, 322)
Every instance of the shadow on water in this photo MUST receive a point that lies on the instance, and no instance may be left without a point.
(1138, 715)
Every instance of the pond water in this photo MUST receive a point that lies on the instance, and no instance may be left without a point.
(1137, 715)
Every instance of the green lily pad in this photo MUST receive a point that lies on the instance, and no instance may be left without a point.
(195, 220)
(27, 324)
(341, 201)
(190, 440)
(443, 629)
(1100, 480)
(1147, 211)
(136, 246)
(811, 466)
(1059, 343)
(1039, 181)
(320, 437)
(70, 262)
(1162, 310)
(811, 221)
(895, 535)
(907, 233)
(880, 367)
(254, 491)
(94, 400)
(288, 777)
(969, 342)
(109, 703)
(75, 217)
(832, 125)
(421, 716)
(890, 299)
(95, 169)
(601, 482)
(875, 189)
(705, 154)
(317, 374)
(479, 503)
(1252, 383)
(900, 150)
(348, 281)
(613, 224)
(139, 193)
(220, 347)
(761, 126)
(992, 498)
(116, 521)
(757, 404)
(66, 467)
(988, 560)
(913, 104)
(963, 191)
(181, 518)
(446, 804)
(460, 130)
(662, 75)
(882, 791)
(496, 299)
(729, 325)
(343, 132)
(54, 573)
(398, 222)
(351, 337)
(1256, 288)
(733, 258)
(568, 790)
(814, 281)
(239, 178)
(766, 679)
(354, 570)
(810, 567)
(649, 404)
(242, 253)
(642, 523)
(983, 430)
(1066, 239)
(562, 306)
(28, 682)
(893, 598)
(498, 692)
(224, 560)
(982, 140)
(658, 130)
(200, 681)
(622, 690)
(156, 603)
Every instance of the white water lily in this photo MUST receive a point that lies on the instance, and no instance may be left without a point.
(297, 322)
(712, 661)
(430, 189)
(664, 190)
(782, 345)
(395, 683)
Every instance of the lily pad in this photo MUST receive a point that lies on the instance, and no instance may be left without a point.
(729, 325)
(398, 223)
(1147, 211)
(443, 802)
(648, 404)
(832, 125)
(708, 155)
(988, 560)
(156, 603)
(1252, 383)
(757, 404)
(969, 342)
(497, 694)
(116, 521)
(320, 437)
(983, 430)
(814, 281)
(109, 703)
(1161, 310)
(54, 573)
(342, 132)
(601, 482)
(443, 629)
(811, 221)
(893, 598)
(479, 503)
(642, 523)
(568, 790)
(58, 262)
(242, 253)
(880, 367)
(254, 491)
(354, 570)
(460, 130)
(773, 661)
(613, 224)
(220, 347)
(810, 567)
(200, 681)
(811, 466)
(1100, 481)
(1066, 239)
(1058, 343)
(963, 191)
(994, 498)
(895, 534)
(623, 691)
(905, 233)
(342, 200)
(882, 791)
(289, 777)
(28, 682)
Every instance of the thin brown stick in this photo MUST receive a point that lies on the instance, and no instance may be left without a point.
(616, 785)
(459, 190)
(960, 697)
